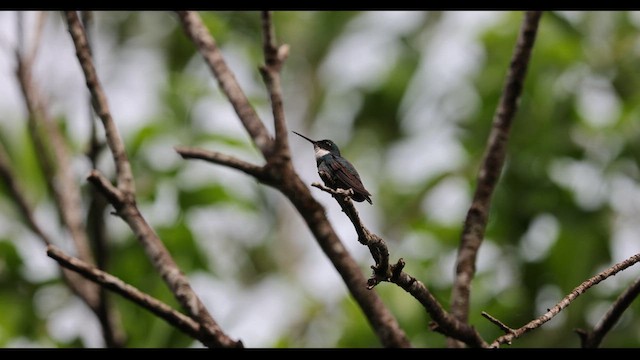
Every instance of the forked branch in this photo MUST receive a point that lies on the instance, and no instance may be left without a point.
(566, 301)
(593, 338)
(122, 197)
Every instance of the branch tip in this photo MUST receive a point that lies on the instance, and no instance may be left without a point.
(498, 323)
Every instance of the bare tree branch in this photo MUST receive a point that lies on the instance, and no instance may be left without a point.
(443, 322)
(55, 160)
(593, 338)
(566, 301)
(108, 315)
(381, 319)
(124, 202)
(377, 246)
(223, 159)
(65, 188)
(498, 323)
(269, 45)
(493, 160)
(279, 171)
(100, 105)
(198, 33)
(157, 307)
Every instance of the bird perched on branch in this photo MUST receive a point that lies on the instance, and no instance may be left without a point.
(336, 171)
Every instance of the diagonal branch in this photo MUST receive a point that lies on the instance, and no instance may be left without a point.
(100, 104)
(198, 33)
(55, 158)
(223, 159)
(506, 329)
(492, 163)
(377, 246)
(592, 339)
(123, 200)
(162, 310)
(566, 301)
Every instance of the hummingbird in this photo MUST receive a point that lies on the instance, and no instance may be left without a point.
(336, 171)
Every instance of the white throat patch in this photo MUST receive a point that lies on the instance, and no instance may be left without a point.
(320, 152)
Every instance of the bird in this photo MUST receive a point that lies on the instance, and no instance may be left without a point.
(336, 171)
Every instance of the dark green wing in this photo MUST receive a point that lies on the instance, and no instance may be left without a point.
(346, 174)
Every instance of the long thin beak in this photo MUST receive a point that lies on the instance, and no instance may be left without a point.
(311, 141)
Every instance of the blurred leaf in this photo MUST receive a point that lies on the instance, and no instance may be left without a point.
(209, 195)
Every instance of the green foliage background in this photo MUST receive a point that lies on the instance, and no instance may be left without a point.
(572, 171)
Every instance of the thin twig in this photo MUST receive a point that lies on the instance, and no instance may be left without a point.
(593, 338)
(198, 33)
(492, 163)
(223, 159)
(498, 323)
(566, 301)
